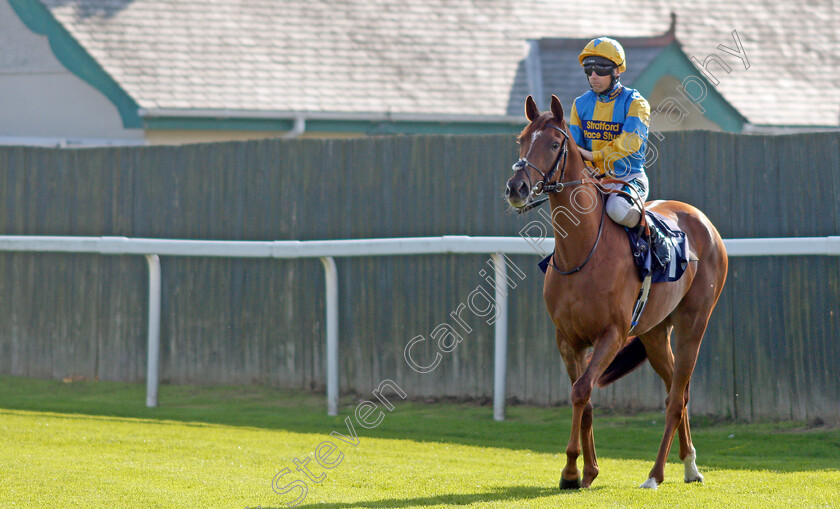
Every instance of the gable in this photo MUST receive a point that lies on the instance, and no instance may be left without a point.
(673, 63)
(75, 58)
(42, 99)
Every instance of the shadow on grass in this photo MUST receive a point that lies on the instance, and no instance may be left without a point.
(781, 447)
(511, 494)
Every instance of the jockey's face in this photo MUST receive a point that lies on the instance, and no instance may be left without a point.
(600, 84)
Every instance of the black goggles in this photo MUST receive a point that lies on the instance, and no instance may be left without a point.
(599, 69)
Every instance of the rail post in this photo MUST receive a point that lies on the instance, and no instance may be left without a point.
(500, 364)
(331, 276)
(153, 364)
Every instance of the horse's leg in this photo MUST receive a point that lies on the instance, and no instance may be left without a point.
(587, 437)
(575, 363)
(587, 442)
(689, 336)
(688, 454)
(606, 347)
(658, 346)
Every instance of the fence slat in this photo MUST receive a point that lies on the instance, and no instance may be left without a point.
(247, 321)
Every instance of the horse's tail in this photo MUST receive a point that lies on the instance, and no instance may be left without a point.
(630, 357)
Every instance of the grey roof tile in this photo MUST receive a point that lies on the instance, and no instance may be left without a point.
(438, 56)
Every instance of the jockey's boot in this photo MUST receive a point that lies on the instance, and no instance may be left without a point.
(660, 246)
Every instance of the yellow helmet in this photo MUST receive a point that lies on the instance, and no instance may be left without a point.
(605, 47)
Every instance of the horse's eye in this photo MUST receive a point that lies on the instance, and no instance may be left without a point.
(556, 145)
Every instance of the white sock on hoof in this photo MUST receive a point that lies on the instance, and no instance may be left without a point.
(650, 484)
(690, 464)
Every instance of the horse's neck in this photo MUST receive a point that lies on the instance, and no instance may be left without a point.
(576, 218)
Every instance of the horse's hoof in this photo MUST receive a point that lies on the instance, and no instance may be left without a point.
(588, 477)
(698, 477)
(566, 484)
(690, 463)
(650, 484)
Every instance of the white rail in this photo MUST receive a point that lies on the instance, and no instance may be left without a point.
(152, 249)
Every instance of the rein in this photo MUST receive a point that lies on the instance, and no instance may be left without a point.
(546, 187)
(591, 251)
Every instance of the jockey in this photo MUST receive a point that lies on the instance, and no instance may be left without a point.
(609, 123)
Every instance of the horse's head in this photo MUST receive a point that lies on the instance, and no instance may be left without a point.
(543, 147)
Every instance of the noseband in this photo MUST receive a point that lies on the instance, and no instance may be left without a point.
(544, 186)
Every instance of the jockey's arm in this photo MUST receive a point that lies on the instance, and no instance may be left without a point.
(577, 133)
(627, 144)
(586, 154)
(633, 136)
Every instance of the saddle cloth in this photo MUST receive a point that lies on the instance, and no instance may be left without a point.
(642, 254)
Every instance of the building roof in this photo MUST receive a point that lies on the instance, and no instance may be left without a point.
(438, 57)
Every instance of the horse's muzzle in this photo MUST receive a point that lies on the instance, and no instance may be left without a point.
(517, 192)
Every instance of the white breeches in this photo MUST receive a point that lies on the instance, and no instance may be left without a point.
(620, 208)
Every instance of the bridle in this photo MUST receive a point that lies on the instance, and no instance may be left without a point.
(544, 186)
(547, 187)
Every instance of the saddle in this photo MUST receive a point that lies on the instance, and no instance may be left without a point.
(646, 262)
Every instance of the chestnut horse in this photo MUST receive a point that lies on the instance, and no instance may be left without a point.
(593, 287)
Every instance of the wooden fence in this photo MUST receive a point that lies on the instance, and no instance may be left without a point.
(771, 351)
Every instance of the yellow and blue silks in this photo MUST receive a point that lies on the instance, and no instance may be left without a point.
(614, 127)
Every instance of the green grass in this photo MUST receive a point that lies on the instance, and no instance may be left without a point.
(95, 444)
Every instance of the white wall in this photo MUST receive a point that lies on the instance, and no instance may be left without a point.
(39, 98)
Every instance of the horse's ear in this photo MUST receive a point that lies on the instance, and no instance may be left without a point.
(531, 110)
(556, 108)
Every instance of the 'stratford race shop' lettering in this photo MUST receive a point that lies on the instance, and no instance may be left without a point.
(601, 130)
